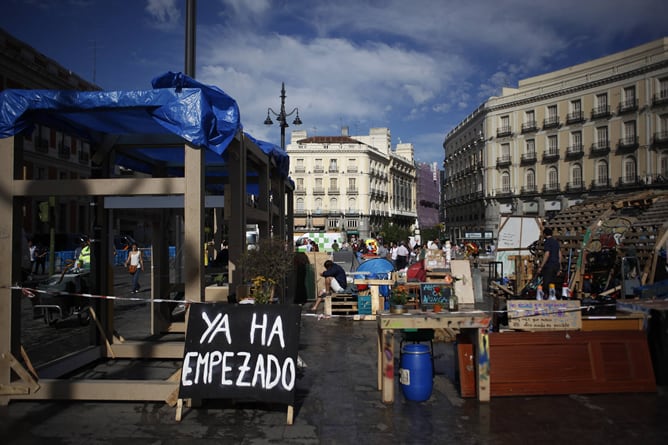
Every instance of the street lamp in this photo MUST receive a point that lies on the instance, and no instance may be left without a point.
(282, 117)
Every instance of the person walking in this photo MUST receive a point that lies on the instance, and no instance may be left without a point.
(135, 264)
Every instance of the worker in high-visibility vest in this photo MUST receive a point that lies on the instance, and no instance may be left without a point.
(83, 262)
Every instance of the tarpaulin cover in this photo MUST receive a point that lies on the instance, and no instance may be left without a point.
(203, 115)
(378, 268)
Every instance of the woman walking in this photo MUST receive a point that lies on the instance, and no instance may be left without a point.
(135, 264)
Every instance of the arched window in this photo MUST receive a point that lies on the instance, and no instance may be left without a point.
(552, 178)
(630, 175)
(530, 180)
(352, 205)
(602, 179)
(576, 175)
(318, 205)
(333, 204)
(300, 205)
(505, 182)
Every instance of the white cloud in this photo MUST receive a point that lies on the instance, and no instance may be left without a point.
(165, 14)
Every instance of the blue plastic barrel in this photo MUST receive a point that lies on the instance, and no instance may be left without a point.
(415, 375)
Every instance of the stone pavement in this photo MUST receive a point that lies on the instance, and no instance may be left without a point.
(337, 402)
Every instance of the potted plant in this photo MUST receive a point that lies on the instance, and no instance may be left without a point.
(266, 267)
(398, 299)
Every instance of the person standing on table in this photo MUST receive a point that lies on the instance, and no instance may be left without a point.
(550, 267)
(135, 259)
(335, 281)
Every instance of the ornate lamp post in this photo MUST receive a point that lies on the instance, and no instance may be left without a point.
(282, 117)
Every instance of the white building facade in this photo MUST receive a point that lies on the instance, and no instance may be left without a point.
(591, 129)
(352, 184)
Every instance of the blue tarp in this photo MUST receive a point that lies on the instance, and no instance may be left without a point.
(203, 115)
(379, 268)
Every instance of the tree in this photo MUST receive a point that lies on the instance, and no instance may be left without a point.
(392, 233)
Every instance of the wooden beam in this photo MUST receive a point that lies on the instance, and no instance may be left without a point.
(99, 187)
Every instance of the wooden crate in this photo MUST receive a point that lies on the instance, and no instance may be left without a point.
(341, 304)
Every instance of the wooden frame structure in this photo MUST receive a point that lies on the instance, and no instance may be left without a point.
(244, 162)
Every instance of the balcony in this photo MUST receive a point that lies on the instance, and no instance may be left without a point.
(629, 181)
(333, 191)
(627, 145)
(575, 151)
(529, 127)
(627, 106)
(300, 190)
(352, 191)
(575, 117)
(503, 161)
(300, 169)
(529, 190)
(550, 156)
(528, 158)
(351, 169)
(600, 148)
(504, 191)
(318, 190)
(602, 112)
(660, 99)
(551, 122)
(660, 139)
(551, 188)
(575, 186)
(600, 184)
(333, 169)
(318, 169)
(504, 132)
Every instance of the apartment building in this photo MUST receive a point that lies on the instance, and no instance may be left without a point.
(47, 153)
(592, 129)
(352, 184)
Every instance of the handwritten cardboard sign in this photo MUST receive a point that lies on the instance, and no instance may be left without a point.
(542, 315)
(432, 292)
(246, 352)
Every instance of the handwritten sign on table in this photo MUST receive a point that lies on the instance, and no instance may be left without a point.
(543, 315)
(431, 293)
(241, 352)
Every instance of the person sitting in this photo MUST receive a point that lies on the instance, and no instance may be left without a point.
(335, 281)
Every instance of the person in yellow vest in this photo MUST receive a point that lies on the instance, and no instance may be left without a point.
(83, 261)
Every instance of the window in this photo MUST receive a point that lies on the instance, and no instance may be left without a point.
(318, 166)
(576, 106)
(318, 183)
(630, 131)
(352, 205)
(531, 146)
(602, 136)
(318, 205)
(352, 183)
(602, 173)
(299, 166)
(664, 165)
(576, 140)
(552, 112)
(351, 224)
(332, 166)
(333, 183)
(530, 180)
(505, 182)
(552, 145)
(553, 178)
(300, 183)
(629, 170)
(333, 204)
(602, 101)
(505, 152)
(663, 123)
(663, 88)
(576, 175)
(530, 117)
(300, 205)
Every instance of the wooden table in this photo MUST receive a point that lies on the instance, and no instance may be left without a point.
(475, 321)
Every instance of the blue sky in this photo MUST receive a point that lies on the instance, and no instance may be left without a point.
(418, 67)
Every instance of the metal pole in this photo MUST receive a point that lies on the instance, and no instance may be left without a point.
(191, 6)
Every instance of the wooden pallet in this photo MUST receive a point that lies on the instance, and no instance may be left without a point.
(341, 304)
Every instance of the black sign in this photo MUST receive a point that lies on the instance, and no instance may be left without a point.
(245, 352)
(431, 293)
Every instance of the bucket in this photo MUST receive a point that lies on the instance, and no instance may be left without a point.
(415, 374)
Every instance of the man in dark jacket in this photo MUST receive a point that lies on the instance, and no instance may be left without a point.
(551, 265)
(335, 281)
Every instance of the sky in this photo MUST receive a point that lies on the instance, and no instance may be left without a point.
(417, 67)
